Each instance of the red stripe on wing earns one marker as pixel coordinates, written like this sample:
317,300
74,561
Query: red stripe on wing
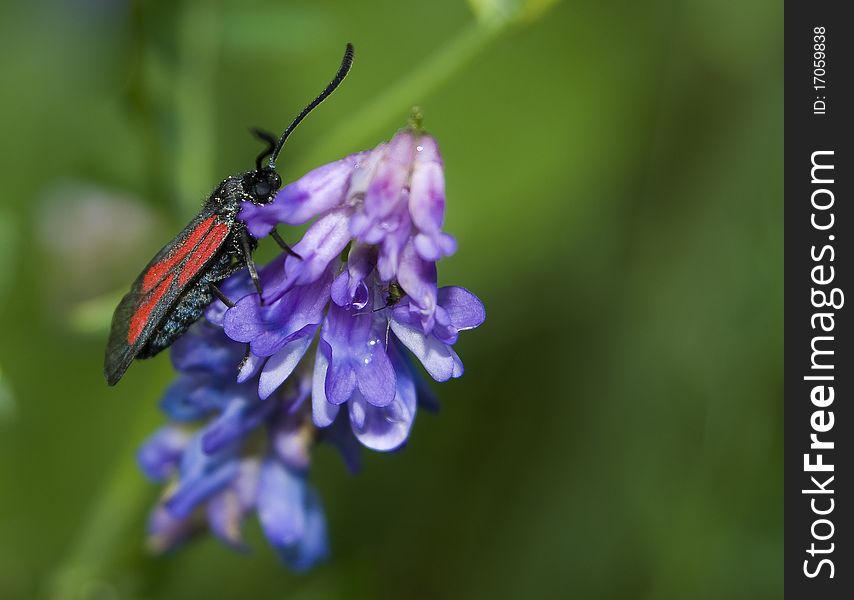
140,317
213,240
165,281
159,270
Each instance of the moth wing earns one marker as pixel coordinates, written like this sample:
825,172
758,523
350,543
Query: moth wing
158,288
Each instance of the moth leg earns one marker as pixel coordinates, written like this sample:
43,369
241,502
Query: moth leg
282,244
232,269
250,264
246,352
222,297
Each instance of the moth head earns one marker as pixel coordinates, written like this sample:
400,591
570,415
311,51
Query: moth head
263,182
261,185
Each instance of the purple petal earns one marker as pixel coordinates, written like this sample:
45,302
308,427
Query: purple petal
427,398
464,309
240,417
358,357
340,381
385,428
292,449
361,261
323,411
407,314
434,247
376,375
273,281
458,310
336,333
349,288
202,475
321,244
250,367
190,494
439,359
234,288
391,177
248,319
417,277
246,482
314,544
427,195
225,518
443,330
349,292
227,509
374,230
340,290
282,364
291,437
160,454
384,216
270,327
193,397
205,348
362,177
393,243
281,504
239,285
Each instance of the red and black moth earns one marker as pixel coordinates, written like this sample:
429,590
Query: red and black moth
180,281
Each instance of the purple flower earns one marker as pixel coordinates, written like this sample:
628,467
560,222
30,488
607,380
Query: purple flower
390,197
325,356
279,332
357,361
457,310
161,453
388,205
291,515
213,477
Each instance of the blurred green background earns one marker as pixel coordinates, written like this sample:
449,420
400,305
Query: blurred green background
614,174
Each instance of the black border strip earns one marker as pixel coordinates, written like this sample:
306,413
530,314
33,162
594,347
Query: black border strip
819,227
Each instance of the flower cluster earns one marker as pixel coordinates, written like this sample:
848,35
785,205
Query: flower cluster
325,355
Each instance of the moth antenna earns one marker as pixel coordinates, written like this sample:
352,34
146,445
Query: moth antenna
265,136
346,63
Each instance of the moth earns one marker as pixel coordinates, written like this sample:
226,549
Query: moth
181,280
